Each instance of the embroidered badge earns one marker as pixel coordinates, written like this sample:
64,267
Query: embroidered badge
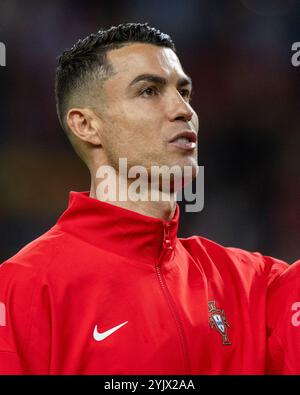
217,319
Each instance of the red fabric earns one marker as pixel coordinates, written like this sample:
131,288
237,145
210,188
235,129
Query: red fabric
103,265
284,323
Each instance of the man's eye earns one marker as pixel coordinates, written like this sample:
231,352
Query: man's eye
151,91
185,93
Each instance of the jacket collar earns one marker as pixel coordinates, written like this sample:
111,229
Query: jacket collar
121,231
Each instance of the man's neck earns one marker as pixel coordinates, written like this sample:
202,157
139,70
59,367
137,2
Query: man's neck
158,209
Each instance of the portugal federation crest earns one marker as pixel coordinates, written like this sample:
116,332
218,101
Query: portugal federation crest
217,319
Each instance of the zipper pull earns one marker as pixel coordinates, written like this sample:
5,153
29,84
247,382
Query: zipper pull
167,241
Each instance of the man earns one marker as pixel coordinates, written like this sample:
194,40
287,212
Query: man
110,289
284,323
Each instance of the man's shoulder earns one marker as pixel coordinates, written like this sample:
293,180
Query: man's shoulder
237,258
288,282
35,255
284,294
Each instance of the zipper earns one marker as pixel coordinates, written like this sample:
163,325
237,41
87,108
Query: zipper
167,247
167,242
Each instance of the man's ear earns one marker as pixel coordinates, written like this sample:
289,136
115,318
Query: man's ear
85,125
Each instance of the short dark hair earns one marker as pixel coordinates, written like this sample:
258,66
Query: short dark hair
87,58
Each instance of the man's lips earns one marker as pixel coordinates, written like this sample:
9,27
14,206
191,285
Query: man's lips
186,140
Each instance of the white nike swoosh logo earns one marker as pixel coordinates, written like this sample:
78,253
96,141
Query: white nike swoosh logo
101,336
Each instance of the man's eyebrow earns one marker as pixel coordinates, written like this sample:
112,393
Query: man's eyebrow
150,78
160,80
184,81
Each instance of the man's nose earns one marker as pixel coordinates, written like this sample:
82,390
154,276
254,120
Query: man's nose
179,109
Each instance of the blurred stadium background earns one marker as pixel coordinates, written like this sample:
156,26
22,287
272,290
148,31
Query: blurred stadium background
247,96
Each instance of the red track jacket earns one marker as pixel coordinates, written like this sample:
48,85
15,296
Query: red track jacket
110,291
284,323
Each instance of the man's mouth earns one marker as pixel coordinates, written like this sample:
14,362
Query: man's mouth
185,140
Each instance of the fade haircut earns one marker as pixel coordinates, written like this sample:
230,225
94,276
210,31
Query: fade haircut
85,64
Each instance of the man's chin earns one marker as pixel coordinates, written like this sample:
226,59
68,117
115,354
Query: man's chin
173,177
188,166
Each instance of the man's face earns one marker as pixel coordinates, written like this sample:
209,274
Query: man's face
146,105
